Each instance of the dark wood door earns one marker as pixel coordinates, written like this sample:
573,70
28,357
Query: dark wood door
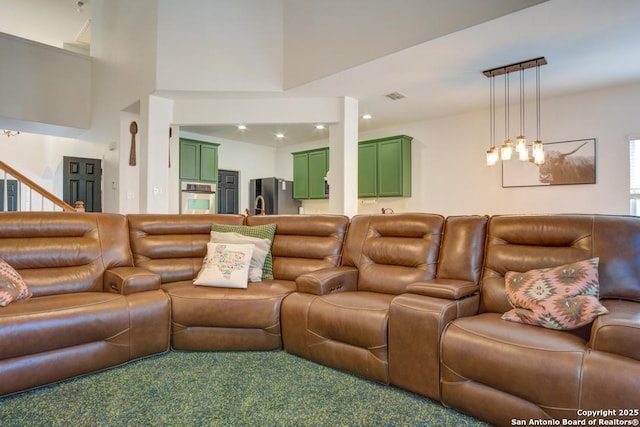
83,181
12,195
227,192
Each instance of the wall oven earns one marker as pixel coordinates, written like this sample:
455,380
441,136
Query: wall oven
198,197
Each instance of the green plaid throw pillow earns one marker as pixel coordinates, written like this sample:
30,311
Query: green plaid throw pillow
266,231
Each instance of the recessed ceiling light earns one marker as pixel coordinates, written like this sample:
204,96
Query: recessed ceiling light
320,126
242,127
279,135
367,116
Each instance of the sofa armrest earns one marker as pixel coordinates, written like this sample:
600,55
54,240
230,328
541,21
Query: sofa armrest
129,280
617,332
328,280
416,323
444,288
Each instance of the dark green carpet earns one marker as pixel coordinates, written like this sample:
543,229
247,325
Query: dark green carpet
224,389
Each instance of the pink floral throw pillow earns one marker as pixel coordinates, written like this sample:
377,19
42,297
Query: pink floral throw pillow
12,287
564,297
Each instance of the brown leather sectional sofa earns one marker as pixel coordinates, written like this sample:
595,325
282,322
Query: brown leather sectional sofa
411,300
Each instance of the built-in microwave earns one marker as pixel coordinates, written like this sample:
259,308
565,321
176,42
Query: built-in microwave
198,197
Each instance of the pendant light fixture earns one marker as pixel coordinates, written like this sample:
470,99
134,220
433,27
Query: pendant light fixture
521,148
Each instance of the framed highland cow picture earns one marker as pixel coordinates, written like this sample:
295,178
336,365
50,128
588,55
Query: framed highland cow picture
565,163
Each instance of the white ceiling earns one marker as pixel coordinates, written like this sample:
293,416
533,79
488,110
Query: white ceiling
589,44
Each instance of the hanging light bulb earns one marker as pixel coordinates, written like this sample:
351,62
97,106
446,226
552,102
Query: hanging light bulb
538,152
523,151
506,150
492,156
521,144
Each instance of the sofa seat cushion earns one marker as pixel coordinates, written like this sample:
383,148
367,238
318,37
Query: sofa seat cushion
619,331
344,330
53,322
354,318
538,365
238,319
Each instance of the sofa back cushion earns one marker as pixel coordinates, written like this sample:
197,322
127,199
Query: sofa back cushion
521,243
393,251
173,245
304,243
63,252
462,249
617,244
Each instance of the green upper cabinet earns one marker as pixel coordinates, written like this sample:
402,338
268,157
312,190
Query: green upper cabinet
367,169
198,160
318,168
208,162
300,176
384,167
189,160
309,172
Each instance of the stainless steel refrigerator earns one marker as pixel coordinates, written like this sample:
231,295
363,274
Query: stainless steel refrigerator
273,196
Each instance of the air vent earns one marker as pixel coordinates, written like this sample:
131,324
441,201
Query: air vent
395,96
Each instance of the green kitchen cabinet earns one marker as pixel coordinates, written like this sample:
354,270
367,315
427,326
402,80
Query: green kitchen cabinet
318,168
384,167
300,176
198,160
367,169
309,171
208,162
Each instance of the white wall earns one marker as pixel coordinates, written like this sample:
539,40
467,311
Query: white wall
124,54
44,85
450,175
224,46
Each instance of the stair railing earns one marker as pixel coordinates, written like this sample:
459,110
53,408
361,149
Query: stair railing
11,173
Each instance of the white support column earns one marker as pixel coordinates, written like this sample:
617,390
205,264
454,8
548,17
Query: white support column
155,155
343,161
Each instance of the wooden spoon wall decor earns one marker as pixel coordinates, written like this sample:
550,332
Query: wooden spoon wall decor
133,128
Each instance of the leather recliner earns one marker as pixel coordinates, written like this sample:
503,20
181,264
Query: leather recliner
90,309
340,317
499,371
